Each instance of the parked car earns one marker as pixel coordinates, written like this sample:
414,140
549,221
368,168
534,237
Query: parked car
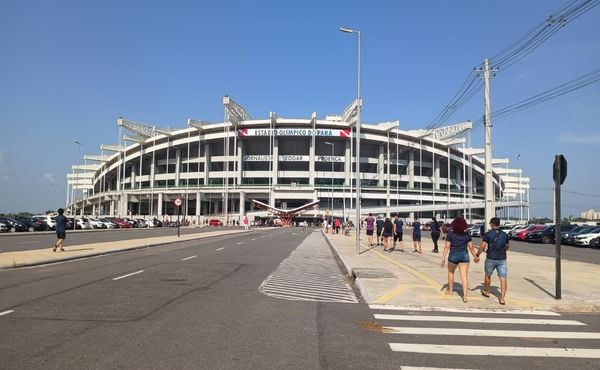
12,224
595,243
546,235
122,223
3,228
108,223
584,239
215,222
47,219
142,223
522,234
33,224
95,223
564,235
511,233
571,238
475,230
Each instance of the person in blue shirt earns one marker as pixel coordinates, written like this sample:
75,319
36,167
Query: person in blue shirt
61,230
398,232
435,234
379,226
495,244
416,236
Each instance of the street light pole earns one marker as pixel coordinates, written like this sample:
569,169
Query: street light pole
79,144
348,30
332,150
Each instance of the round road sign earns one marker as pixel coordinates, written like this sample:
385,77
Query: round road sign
178,202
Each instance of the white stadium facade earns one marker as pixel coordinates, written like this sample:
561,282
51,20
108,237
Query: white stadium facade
217,169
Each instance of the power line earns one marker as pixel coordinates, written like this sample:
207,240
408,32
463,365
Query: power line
513,53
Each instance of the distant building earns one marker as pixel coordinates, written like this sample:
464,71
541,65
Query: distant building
590,214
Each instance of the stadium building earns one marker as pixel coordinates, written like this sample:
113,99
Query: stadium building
219,168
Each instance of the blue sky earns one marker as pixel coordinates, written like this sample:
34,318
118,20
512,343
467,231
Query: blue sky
69,69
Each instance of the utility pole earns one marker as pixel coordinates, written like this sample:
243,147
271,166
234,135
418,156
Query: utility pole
490,207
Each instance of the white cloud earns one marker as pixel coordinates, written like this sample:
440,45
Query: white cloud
581,138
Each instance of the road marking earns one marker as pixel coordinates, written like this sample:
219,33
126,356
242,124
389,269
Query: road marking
430,368
432,283
465,310
124,276
478,320
253,239
27,242
220,249
6,312
240,243
495,350
188,258
492,333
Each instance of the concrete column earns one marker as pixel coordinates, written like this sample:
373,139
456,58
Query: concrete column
381,166
275,160
347,165
133,177
206,162
242,204
160,204
198,210
123,205
311,164
112,207
436,175
152,173
240,156
411,170
177,166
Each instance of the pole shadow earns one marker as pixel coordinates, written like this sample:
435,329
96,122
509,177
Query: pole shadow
539,287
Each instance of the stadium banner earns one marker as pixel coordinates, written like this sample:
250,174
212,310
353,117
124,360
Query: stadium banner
291,158
345,133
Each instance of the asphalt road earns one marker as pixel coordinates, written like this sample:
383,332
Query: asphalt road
198,305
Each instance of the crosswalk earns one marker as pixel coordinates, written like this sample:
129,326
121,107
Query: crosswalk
310,273
471,333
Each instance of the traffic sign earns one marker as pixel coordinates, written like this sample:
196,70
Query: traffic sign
559,169
178,202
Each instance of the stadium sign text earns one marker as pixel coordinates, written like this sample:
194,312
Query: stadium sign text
293,132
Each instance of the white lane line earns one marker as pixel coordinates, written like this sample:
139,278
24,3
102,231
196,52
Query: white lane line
478,320
495,350
240,243
253,239
492,333
188,258
220,249
124,276
457,310
26,242
6,312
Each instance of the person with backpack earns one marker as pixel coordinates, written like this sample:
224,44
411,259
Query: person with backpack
379,226
435,234
495,244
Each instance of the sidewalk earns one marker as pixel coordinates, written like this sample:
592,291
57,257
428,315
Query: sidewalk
418,280
45,255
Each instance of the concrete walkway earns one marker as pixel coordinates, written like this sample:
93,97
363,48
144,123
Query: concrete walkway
412,279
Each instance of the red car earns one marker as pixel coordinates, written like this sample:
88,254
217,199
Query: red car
215,222
122,223
520,235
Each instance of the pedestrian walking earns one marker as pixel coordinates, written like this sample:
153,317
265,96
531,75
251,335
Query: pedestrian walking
337,225
246,223
387,232
416,236
61,231
379,227
435,234
495,244
398,232
370,221
456,249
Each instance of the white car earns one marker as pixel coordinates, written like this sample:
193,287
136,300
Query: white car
47,219
94,223
584,239
3,228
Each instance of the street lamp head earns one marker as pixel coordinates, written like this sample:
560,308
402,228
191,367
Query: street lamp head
78,142
346,30
328,143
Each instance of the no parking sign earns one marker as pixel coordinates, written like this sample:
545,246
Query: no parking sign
178,202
